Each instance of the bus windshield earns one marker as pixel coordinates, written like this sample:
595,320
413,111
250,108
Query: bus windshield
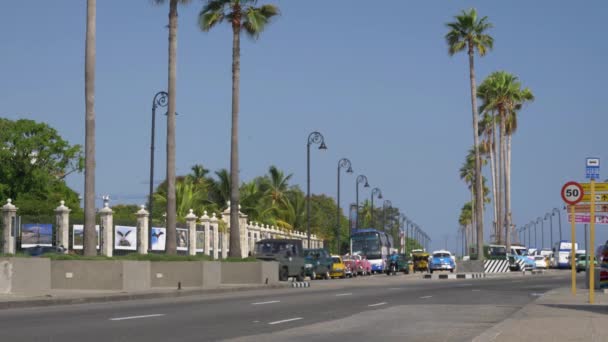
367,244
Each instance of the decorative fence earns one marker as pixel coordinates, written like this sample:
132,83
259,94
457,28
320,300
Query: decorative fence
199,235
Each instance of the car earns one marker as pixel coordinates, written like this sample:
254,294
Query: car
288,252
351,266
43,250
540,261
442,261
338,269
318,263
363,266
582,262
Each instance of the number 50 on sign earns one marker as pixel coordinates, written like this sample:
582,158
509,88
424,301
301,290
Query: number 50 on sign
572,193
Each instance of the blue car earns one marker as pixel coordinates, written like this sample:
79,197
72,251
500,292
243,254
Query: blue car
442,261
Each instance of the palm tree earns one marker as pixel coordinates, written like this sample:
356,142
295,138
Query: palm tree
486,130
465,221
171,200
469,32
242,15
502,92
275,186
89,173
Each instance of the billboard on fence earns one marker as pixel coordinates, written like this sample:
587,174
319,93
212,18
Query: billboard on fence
182,239
159,238
200,241
125,238
78,236
36,234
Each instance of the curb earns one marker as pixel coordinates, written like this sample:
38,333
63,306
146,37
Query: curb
28,303
455,276
300,284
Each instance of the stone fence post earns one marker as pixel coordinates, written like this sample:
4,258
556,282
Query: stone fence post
62,220
142,230
225,237
205,222
191,223
216,238
9,216
107,230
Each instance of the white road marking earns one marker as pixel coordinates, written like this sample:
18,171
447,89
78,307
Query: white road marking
135,317
343,294
394,288
425,297
285,320
269,302
475,290
463,285
377,304
517,281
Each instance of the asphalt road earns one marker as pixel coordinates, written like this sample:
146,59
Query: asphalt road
377,308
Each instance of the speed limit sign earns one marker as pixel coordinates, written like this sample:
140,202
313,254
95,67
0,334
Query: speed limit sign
572,193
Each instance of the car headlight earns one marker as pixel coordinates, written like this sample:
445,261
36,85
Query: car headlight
308,265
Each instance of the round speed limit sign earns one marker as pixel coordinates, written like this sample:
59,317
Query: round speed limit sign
572,193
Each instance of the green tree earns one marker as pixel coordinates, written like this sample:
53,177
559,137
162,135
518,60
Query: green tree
90,237
469,32
242,15
171,245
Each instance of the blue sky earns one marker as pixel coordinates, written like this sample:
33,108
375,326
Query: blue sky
377,81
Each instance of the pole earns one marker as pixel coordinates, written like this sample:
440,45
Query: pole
551,229
338,213
591,245
372,212
559,219
159,100
542,234
357,202
308,194
572,251
586,254
535,236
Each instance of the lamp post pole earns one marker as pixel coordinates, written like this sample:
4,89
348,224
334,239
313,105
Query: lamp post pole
385,204
342,163
160,100
559,219
360,179
550,217
542,232
313,138
375,191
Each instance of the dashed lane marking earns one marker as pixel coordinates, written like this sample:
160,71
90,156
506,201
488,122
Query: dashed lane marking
377,304
285,320
268,302
135,317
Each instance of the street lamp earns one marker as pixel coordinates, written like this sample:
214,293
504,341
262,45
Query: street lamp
385,204
559,218
343,163
375,191
160,100
550,217
360,179
542,232
313,138
535,242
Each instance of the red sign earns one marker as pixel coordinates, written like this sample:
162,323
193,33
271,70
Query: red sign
572,193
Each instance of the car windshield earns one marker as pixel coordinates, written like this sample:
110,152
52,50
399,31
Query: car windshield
539,257
441,255
336,260
274,247
520,251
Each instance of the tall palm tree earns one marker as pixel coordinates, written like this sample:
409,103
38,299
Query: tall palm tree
469,32
242,15
90,236
465,221
502,92
275,186
486,130
171,200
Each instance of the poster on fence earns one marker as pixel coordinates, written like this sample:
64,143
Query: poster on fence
158,238
78,236
200,241
36,234
125,238
182,239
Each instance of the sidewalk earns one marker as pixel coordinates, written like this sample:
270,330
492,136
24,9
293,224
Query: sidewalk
555,316
63,297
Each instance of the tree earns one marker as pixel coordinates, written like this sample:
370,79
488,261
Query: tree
465,221
469,32
242,15
487,131
171,244
502,92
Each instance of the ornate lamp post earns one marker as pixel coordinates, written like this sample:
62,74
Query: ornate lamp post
160,100
343,163
360,179
559,219
550,217
375,192
385,204
542,232
313,138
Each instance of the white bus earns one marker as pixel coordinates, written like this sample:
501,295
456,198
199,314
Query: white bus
561,253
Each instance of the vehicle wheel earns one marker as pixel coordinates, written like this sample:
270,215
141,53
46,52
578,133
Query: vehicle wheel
313,276
451,271
431,271
300,276
283,274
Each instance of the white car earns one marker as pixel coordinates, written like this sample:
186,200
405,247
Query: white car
540,261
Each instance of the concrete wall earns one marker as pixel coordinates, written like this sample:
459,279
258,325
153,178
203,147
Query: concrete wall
469,266
100,275
25,275
250,272
212,274
169,273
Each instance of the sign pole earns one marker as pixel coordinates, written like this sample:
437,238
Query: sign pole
592,244
573,251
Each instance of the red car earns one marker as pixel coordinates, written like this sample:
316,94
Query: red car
358,265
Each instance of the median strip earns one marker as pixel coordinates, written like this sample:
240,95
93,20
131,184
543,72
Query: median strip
377,304
135,317
269,302
285,320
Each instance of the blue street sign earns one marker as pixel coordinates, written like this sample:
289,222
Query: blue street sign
592,169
